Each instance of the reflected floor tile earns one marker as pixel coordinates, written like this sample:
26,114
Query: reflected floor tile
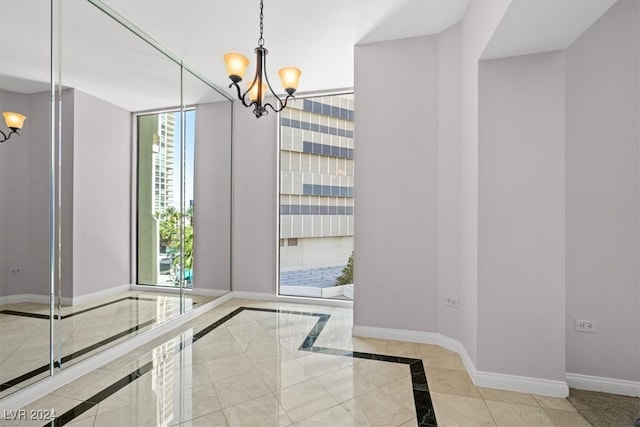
511,414
58,403
461,411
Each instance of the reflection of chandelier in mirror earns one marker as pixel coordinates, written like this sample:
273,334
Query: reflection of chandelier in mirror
237,65
14,122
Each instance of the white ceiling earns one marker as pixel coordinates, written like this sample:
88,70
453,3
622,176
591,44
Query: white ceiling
535,26
317,36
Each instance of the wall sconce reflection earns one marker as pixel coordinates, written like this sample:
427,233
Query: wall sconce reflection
14,122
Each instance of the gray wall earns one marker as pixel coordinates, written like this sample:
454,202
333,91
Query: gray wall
212,209
14,224
24,180
602,195
255,147
101,195
396,186
477,27
521,266
449,180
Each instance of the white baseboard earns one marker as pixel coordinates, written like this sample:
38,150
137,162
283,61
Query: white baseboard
480,378
32,298
104,293
606,385
292,299
33,392
208,292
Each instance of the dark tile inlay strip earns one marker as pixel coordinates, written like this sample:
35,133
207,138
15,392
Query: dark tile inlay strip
66,316
44,368
424,406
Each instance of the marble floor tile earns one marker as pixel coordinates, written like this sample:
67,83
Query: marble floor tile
262,411
566,418
250,372
508,396
284,375
376,409
511,414
452,361
452,382
240,388
554,403
334,417
402,391
404,349
305,400
381,373
461,411
345,384
214,419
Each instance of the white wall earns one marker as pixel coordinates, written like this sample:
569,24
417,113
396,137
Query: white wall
212,206
521,268
255,147
602,195
396,205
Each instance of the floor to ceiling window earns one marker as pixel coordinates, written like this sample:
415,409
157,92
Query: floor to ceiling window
316,197
165,228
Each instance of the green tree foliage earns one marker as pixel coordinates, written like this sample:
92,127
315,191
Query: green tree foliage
169,230
346,277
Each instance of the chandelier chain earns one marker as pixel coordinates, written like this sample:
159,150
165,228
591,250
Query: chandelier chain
261,39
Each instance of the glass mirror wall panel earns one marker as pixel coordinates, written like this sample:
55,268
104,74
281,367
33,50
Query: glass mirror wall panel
106,73
24,195
209,229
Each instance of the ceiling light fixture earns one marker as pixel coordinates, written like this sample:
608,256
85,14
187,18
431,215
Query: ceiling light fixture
237,66
14,122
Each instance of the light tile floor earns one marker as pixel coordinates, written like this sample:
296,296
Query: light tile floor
247,370
83,330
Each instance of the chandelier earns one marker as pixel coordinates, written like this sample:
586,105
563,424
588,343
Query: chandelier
257,89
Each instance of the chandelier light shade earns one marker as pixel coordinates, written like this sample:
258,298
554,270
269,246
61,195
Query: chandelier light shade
257,88
14,122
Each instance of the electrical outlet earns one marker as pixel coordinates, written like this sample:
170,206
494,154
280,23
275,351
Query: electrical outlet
15,271
451,301
586,326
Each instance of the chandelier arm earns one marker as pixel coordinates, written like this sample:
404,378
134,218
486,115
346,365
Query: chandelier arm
241,96
282,104
5,136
